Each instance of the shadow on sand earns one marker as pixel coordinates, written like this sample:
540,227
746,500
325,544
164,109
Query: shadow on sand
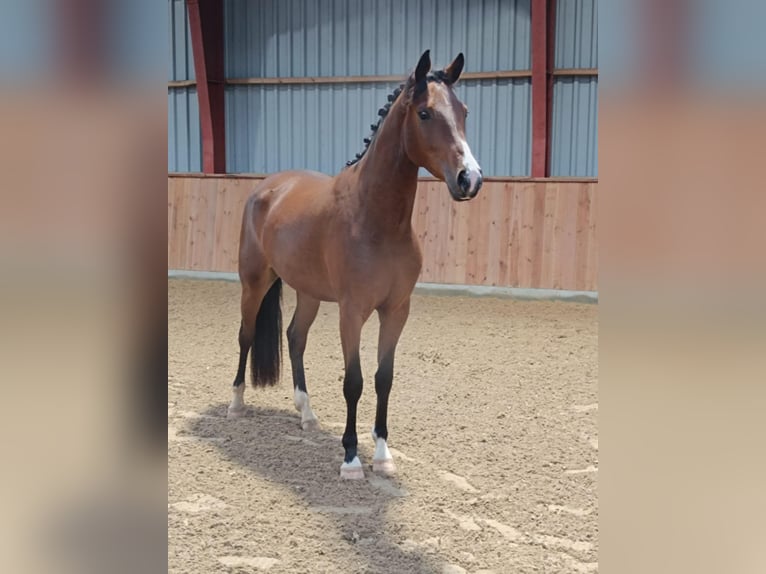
271,444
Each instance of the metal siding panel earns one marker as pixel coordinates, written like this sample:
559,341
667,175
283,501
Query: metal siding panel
172,144
311,67
287,38
184,142
474,29
522,35
459,26
355,39
441,49
171,44
180,59
271,128
182,130
574,145
287,127
269,18
188,48
574,142
520,146
326,122
340,39
194,131
232,147
499,123
490,36
399,61
576,34
504,46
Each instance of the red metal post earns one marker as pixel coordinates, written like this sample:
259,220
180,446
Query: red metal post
539,87
550,66
206,26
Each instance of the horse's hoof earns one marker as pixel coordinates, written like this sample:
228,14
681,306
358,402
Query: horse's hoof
386,466
236,413
310,425
352,470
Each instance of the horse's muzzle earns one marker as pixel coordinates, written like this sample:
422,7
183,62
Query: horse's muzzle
468,184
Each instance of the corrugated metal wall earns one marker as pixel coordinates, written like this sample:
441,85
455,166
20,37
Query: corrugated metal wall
574,136
184,142
270,128
320,127
289,38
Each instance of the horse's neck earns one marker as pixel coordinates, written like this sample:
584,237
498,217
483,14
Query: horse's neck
387,181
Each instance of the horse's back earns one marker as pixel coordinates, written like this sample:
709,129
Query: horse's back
277,185
274,189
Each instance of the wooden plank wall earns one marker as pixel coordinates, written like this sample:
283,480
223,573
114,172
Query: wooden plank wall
522,233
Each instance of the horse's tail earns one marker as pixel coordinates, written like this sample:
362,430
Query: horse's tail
266,352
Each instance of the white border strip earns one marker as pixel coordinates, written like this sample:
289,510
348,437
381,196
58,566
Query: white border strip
206,275
507,292
438,288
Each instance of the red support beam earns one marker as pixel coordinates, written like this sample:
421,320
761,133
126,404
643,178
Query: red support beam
539,87
206,26
550,68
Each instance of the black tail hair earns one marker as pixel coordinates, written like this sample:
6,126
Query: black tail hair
266,352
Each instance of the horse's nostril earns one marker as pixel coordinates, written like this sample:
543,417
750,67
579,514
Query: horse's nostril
463,180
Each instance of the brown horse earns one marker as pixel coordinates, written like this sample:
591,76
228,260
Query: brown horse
349,239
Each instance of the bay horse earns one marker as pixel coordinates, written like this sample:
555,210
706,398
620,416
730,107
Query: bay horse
349,239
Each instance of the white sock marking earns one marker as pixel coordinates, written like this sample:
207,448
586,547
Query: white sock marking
381,450
238,397
303,406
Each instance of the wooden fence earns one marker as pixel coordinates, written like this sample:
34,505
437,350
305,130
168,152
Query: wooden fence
516,233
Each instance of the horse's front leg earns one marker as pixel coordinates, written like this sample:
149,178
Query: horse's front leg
351,321
391,324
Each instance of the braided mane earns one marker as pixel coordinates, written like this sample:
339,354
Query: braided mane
382,112
436,76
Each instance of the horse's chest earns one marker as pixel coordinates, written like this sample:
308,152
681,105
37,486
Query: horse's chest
386,259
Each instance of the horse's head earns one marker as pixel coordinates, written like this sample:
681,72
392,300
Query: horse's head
434,129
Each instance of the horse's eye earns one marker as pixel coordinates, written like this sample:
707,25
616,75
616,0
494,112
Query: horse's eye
424,115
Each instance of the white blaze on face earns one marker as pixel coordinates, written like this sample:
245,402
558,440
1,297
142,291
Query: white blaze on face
471,166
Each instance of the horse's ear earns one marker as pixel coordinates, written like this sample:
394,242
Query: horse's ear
423,67
452,72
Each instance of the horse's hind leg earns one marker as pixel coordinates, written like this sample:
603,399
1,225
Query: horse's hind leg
391,324
297,335
253,292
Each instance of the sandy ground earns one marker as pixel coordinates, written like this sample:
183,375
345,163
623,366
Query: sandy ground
492,421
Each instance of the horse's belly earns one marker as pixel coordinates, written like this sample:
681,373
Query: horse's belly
301,265
312,288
